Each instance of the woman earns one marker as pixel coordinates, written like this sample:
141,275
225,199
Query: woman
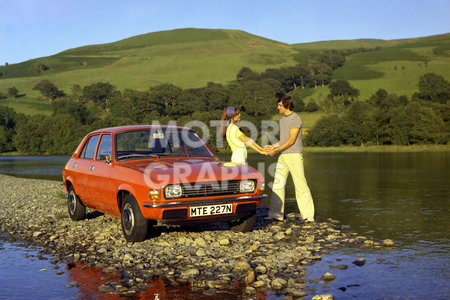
235,138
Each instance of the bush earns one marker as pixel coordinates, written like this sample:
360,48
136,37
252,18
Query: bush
311,107
12,91
328,131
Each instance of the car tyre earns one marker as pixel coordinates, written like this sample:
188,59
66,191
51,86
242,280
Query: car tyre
134,224
76,208
244,224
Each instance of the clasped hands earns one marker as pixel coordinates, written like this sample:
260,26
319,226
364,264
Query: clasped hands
269,150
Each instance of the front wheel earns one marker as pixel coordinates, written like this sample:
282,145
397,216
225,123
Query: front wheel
77,210
134,224
244,224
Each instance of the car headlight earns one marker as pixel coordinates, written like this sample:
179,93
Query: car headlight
247,186
173,191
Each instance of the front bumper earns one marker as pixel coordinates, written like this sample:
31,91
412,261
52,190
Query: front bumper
205,202
180,210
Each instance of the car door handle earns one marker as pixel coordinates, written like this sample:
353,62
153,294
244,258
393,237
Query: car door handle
92,168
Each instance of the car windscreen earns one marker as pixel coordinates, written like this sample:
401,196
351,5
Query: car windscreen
159,142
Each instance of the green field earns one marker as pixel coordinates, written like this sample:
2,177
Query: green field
28,106
190,58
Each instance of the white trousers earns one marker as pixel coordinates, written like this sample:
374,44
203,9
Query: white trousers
239,156
291,163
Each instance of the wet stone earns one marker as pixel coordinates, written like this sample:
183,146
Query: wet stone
339,267
224,242
261,270
278,283
190,273
259,284
328,277
250,290
106,289
388,243
250,278
360,262
323,297
110,270
241,266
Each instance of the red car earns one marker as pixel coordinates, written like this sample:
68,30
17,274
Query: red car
159,174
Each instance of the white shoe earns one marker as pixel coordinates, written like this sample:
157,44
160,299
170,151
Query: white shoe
273,219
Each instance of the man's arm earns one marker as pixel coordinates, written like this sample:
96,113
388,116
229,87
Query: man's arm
293,133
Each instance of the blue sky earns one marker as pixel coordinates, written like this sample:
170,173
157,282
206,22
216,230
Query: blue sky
36,28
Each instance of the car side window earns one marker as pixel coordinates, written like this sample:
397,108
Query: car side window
105,147
89,147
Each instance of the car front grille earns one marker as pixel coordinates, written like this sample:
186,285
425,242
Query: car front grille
212,188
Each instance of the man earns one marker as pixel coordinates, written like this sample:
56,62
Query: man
291,160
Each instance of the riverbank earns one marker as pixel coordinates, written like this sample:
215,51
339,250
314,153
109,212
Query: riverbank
346,149
365,148
381,148
271,259
375,148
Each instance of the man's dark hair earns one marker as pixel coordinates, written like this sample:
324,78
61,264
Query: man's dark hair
287,102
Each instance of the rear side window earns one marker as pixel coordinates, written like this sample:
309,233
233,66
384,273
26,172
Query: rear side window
105,147
89,147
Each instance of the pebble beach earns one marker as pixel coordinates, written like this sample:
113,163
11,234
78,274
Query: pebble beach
271,258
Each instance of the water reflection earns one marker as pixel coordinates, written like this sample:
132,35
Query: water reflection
39,167
23,271
402,196
88,281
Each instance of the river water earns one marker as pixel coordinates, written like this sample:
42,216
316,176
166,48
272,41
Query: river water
399,196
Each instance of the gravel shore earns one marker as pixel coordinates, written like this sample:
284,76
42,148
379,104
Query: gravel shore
210,257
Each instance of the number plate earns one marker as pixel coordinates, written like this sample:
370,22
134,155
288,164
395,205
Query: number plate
210,210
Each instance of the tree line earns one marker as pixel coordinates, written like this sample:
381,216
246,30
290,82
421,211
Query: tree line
383,119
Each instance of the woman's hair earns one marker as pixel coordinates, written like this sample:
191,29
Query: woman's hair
227,114
287,102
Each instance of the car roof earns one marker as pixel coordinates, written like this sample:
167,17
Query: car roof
135,127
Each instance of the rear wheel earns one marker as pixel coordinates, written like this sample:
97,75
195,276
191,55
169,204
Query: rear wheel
77,210
134,224
244,224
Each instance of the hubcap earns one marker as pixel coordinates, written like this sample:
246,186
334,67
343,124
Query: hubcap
128,218
72,203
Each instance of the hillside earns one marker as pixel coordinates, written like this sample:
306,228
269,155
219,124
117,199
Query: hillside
191,58
395,67
185,57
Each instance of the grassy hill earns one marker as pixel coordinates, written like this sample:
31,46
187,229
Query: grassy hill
185,57
191,58
396,67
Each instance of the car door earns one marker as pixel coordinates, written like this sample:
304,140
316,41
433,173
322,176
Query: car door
101,190
81,168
